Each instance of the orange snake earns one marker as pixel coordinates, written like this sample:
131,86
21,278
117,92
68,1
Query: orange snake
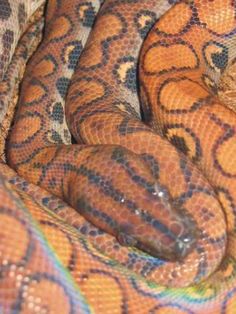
146,193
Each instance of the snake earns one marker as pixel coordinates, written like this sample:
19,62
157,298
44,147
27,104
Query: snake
106,207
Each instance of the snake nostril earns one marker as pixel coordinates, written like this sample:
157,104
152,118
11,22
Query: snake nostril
184,245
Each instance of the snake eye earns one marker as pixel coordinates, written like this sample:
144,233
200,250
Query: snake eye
124,235
126,240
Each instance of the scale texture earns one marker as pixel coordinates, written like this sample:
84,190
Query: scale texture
138,214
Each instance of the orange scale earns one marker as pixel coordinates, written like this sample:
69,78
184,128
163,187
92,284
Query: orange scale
179,184
9,239
35,210
112,26
94,56
85,91
160,58
60,28
35,176
228,271
4,87
179,15
189,141
218,15
38,297
59,241
181,94
224,115
45,155
228,210
176,274
35,93
192,37
8,287
52,7
29,126
82,268
45,67
211,218
229,303
227,148
101,284
231,248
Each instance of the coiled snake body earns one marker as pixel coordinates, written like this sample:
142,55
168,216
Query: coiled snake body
143,194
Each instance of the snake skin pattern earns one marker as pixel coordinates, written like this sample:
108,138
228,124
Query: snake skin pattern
9,86
131,191
14,16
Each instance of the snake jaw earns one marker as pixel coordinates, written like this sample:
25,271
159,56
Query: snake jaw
181,247
173,245
173,233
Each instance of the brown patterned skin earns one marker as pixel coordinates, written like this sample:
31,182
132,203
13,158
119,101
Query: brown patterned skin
114,191
9,86
154,180
14,16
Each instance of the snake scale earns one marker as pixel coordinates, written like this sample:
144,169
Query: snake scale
106,207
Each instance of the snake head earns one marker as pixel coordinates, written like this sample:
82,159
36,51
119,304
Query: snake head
171,236
124,199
